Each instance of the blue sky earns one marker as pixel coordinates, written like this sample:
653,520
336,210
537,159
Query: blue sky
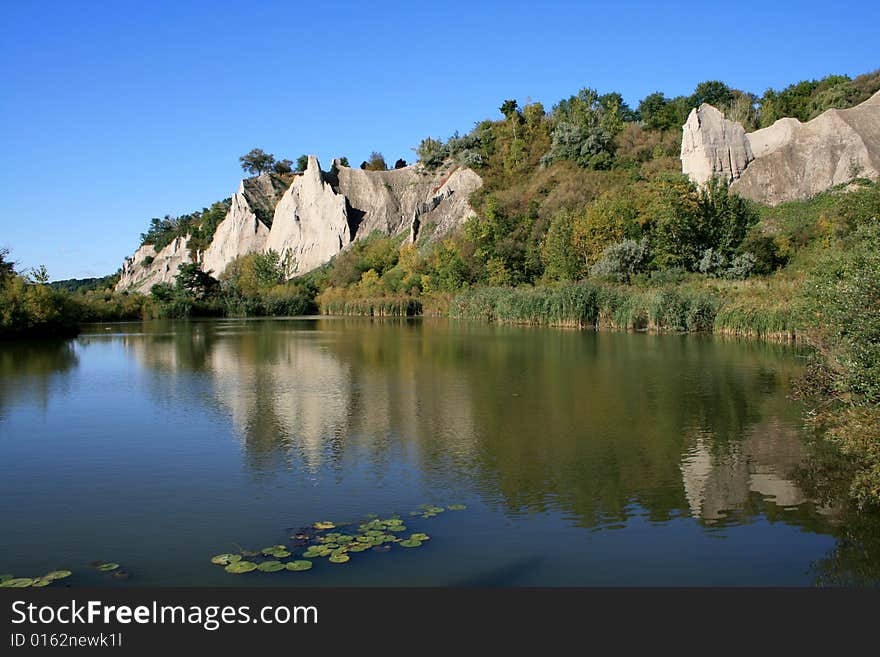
115,112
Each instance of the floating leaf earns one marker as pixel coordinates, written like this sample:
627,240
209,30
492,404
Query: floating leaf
397,528
249,553
410,543
271,566
17,583
456,507
339,558
371,515
241,567
57,574
225,559
5,576
419,537
107,567
324,524
120,574
311,553
301,537
41,581
359,547
298,565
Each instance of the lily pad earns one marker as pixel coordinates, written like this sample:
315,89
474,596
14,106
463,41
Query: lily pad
456,507
419,537
311,553
250,553
120,574
301,537
339,558
359,547
40,582
225,559
411,543
397,528
6,576
57,574
17,583
107,567
298,565
371,515
241,567
270,566
324,524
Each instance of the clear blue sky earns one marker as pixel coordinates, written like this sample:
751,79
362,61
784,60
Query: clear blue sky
114,112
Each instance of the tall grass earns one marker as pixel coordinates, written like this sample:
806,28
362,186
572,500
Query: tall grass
591,305
334,301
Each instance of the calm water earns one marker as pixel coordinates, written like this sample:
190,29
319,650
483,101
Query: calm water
583,458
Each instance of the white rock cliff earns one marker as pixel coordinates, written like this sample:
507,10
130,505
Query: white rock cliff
787,161
315,217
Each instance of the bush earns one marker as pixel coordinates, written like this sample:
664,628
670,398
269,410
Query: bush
620,262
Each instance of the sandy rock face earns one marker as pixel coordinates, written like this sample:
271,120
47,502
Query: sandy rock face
239,233
713,146
314,215
147,267
789,160
310,222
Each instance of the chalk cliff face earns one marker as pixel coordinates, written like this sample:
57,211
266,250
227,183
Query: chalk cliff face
311,221
246,226
147,267
787,161
315,217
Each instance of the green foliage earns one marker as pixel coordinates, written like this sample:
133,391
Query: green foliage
256,161
283,167
807,99
302,163
620,262
200,225
375,163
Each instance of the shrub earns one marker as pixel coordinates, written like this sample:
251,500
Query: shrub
620,262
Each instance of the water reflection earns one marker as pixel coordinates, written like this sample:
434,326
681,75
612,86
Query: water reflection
585,430
29,370
583,423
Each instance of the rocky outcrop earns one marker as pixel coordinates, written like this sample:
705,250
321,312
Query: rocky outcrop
311,221
713,146
147,267
789,160
246,226
314,215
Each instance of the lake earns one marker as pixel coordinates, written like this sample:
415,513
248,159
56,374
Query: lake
582,458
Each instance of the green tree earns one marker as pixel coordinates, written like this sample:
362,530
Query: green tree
256,161
713,92
376,162
302,163
40,276
561,263
283,166
193,282
7,268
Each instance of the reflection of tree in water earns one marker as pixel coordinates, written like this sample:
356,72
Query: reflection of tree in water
593,426
28,369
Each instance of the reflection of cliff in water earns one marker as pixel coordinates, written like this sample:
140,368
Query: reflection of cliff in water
762,467
29,369
588,424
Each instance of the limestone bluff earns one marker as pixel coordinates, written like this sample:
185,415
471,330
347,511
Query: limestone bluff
315,217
